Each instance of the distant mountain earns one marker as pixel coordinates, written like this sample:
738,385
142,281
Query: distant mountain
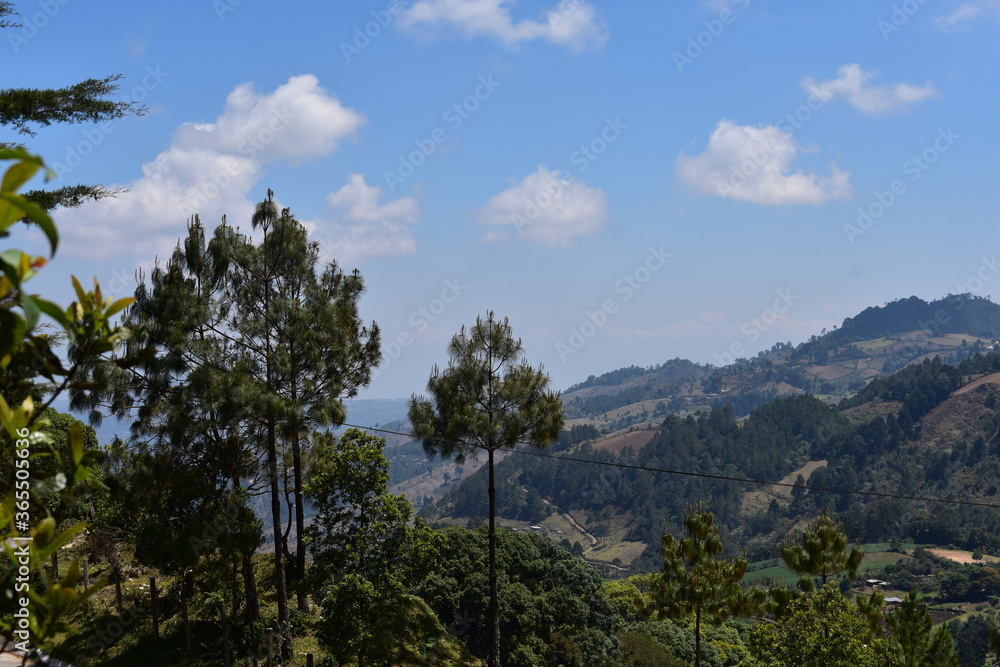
931,430
955,313
831,365
903,398
375,411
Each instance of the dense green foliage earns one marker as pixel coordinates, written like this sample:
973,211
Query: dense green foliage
36,602
365,554
695,580
873,441
822,554
955,313
822,630
489,397
918,643
553,609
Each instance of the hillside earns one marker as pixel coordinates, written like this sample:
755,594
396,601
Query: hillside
832,365
929,430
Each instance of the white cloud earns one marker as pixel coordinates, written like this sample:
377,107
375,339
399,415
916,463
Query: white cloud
852,84
361,227
297,122
211,168
572,23
753,164
967,12
547,208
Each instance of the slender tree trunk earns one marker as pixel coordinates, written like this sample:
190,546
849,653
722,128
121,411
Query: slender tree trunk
300,519
288,495
185,596
236,586
494,660
250,589
119,600
249,581
155,607
225,635
697,637
285,641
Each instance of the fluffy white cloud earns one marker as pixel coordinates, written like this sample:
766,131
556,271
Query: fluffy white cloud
753,164
297,122
547,208
852,85
361,227
572,23
967,12
211,168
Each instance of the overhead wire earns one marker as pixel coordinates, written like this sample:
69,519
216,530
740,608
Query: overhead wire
688,473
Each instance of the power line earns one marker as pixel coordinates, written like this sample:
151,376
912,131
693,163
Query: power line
686,473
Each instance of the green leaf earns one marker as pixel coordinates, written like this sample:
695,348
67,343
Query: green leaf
53,311
31,310
118,306
80,294
60,540
76,444
17,175
12,261
42,219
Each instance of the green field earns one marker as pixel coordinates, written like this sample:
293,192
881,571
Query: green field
876,557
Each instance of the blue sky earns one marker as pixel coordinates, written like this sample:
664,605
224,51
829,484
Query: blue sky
629,182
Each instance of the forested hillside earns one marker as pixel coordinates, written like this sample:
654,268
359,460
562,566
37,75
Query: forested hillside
928,430
832,365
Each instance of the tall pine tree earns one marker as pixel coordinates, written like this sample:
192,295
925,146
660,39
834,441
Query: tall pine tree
255,351
488,398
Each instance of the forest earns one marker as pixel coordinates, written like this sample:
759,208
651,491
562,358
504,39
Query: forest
771,513
231,393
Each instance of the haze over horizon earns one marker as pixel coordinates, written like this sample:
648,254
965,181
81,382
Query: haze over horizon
629,182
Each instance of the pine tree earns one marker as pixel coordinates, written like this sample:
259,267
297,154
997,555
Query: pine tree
182,400
694,580
299,336
488,398
84,102
916,640
822,554
254,351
